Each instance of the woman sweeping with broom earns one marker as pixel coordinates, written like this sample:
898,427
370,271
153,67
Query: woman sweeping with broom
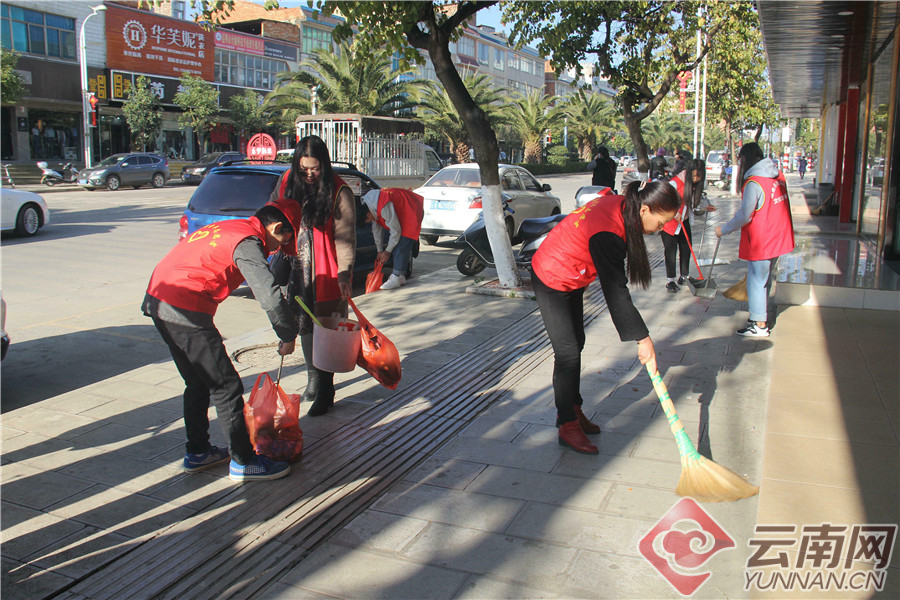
676,235
767,230
604,239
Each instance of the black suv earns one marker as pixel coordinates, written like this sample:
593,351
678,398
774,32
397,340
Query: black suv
235,191
196,171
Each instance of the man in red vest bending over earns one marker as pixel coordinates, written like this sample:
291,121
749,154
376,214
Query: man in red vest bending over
400,212
185,290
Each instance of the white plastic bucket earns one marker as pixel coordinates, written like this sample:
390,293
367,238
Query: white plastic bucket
336,344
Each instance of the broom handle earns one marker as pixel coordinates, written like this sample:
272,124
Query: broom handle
691,248
685,445
278,379
715,254
309,312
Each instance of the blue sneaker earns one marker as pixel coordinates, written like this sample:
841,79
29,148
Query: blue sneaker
259,468
199,462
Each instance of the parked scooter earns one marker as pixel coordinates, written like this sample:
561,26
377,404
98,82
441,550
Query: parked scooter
51,177
724,182
477,254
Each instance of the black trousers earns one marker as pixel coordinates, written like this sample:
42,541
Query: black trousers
673,244
563,315
204,364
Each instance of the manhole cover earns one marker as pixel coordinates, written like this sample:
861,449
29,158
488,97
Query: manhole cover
265,356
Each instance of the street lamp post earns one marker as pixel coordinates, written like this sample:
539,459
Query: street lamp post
85,94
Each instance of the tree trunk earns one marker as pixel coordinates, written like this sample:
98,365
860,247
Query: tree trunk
532,152
487,151
586,150
640,147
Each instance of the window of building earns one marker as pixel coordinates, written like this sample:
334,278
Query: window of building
499,59
513,61
466,45
178,9
484,53
247,70
33,32
315,39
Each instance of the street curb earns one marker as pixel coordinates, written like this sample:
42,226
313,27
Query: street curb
491,287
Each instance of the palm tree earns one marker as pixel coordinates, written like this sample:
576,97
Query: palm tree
591,118
665,130
346,81
441,120
533,117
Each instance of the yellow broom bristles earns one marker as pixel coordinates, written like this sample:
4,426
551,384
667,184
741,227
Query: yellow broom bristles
701,479
738,291
708,481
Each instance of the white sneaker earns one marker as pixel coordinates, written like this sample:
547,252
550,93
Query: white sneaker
393,282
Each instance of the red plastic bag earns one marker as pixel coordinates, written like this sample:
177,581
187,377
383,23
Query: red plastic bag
375,278
273,420
377,354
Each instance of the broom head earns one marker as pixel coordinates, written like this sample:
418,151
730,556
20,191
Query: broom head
707,481
738,291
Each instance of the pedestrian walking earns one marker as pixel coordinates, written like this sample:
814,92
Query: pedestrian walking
399,212
604,169
801,166
676,235
767,231
185,290
659,167
602,240
321,272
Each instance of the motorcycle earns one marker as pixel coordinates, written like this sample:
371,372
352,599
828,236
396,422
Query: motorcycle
724,182
477,254
51,177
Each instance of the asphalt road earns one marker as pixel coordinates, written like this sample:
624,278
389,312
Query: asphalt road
73,292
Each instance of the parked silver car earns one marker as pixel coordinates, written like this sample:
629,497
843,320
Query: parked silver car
134,169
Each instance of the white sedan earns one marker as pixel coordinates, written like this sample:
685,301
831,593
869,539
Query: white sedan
24,212
453,199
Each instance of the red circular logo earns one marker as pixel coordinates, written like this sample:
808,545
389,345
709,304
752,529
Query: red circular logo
261,148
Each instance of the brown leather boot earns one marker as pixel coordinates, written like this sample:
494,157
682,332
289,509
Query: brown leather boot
585,423
571,435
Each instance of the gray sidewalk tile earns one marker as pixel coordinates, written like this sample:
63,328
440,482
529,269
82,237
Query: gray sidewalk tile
479,587
491,429
26,531
502,556
638,501
376,530
794,502
139,415
601,576
197,490
82,552
46,453
549,488
430,503
342,572
493,452
283,591
51,423
587,530
124,472
24,582
36,488
844,421
75,402
127,514
453,474
130,441
637,471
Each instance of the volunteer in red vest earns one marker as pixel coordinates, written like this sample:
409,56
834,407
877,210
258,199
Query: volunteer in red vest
185,290
399,212
676,235
767,231
602,240
326,248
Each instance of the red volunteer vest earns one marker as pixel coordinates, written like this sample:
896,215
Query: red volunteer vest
199,272
673,227
324,252
770,233
410,209
563,261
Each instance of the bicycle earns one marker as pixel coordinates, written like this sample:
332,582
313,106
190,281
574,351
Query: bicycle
6,176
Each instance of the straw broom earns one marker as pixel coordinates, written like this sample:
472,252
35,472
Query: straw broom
738,291
701,479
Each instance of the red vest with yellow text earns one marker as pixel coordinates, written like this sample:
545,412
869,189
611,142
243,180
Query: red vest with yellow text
673,227
324,252
199,272
563,261
410,209
770,233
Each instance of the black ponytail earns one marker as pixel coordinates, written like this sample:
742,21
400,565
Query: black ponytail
659,197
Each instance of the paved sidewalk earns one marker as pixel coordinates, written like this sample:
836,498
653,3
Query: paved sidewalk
484,503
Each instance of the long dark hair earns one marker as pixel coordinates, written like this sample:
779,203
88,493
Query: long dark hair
749,155
694,191
659,197
317,200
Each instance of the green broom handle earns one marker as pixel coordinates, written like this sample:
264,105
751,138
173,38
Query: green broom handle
685,445
309,312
